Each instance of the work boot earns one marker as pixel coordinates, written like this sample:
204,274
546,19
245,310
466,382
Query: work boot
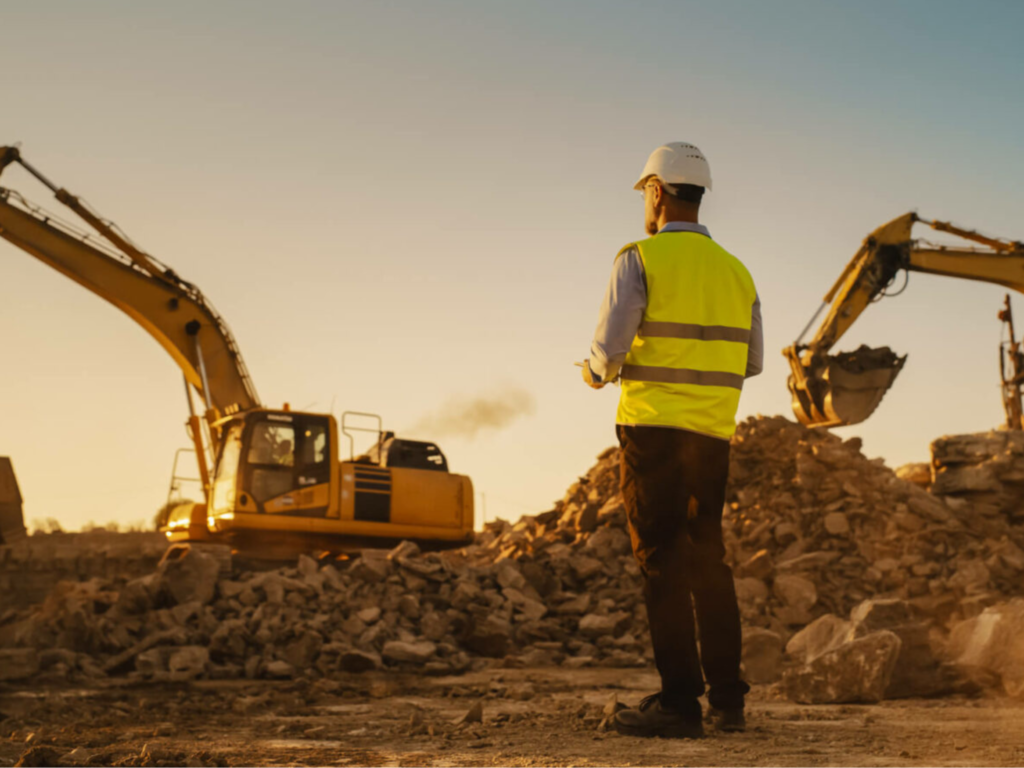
728,720
651,718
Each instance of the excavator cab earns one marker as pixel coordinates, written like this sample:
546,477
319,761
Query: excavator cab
280,486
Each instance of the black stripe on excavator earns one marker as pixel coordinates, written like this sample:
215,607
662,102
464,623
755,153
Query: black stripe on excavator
373,485
372,507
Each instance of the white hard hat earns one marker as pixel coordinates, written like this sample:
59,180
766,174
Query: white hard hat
677,163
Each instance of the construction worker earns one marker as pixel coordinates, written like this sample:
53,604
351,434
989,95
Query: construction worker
680,329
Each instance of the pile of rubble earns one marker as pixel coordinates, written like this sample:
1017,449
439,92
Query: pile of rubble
429,612
984,470
823,542
818,528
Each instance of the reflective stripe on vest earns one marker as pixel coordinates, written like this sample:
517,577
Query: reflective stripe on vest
686,366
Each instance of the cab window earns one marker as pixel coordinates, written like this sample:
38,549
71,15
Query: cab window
272,444
225,481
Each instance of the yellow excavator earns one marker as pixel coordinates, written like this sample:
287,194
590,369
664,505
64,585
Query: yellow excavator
273,480
835,390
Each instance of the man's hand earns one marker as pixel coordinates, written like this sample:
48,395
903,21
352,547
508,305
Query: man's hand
588,377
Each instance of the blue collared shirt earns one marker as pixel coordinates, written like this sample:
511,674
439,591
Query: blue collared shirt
622,312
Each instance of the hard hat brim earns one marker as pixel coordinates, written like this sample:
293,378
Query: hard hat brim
643,180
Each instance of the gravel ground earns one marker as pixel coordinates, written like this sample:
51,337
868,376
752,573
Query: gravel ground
546,716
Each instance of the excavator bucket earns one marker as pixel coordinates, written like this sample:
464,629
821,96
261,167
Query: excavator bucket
837,390
12,524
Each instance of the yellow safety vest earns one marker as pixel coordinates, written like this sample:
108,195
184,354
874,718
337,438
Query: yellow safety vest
686,366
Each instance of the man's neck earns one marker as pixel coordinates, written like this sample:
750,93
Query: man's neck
668,218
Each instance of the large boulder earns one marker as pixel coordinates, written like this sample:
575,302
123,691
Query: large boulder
191,577
189,661
822,635
918,671
489,635
989,648
857,671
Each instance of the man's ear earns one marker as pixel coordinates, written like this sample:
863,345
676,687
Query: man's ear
658,193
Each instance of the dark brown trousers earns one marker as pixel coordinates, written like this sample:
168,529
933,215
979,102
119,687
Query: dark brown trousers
673,486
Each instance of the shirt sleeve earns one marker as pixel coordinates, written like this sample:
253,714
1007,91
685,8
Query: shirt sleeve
622,312
755,353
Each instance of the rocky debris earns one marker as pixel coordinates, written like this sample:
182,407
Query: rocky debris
989,648
986,469
804,503
857,671
812,528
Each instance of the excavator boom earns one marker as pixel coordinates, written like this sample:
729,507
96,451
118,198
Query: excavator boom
836,390
172,311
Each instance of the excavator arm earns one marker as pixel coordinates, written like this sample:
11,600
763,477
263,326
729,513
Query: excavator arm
836,390
171,310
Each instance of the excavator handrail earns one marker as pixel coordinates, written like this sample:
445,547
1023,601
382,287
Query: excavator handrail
43,214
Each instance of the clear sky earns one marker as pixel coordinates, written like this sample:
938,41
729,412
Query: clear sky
395,205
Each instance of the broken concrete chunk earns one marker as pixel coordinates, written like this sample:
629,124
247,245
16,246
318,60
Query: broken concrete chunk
371,566
190,660
369,615
279,669
820,636
595,625
989,648
490,636
404,549
359,661
191,577
412,653
857,671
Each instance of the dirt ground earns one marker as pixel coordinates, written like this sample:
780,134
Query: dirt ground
530,717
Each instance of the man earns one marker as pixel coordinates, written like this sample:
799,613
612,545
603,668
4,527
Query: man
680,328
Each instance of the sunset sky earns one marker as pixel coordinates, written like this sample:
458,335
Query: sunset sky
401,205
